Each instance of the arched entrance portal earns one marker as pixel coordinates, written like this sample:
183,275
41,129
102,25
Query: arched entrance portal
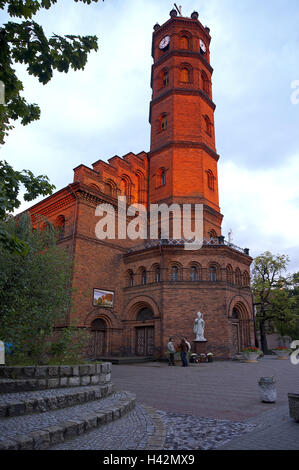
98,330
240,328
145,333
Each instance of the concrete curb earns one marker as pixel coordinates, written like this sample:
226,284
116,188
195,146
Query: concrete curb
39,405
157,439
47,437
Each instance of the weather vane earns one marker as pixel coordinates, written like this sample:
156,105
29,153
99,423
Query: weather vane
179,9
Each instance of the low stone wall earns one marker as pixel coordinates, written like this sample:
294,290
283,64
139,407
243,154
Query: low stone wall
17,379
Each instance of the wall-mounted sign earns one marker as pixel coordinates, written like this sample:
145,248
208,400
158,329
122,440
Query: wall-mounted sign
103,298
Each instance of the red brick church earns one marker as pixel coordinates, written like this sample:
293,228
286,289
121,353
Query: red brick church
134,295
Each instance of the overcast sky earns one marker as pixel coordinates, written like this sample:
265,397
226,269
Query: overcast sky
103,111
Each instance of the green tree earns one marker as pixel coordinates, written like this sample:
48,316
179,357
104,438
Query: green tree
271,295
35,289
25,42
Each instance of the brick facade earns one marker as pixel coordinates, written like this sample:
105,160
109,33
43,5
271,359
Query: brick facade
159,286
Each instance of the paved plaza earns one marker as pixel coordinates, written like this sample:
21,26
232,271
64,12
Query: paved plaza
215,406
203,407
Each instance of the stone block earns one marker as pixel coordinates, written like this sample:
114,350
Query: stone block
101,418
24,442
51,403
29,371
82,397
75,370
95,379
65,371
56,434
85,380
61,401
92,369
90,422
90,395
41,405
8,444
63,381
84,370
80,426
53,371
16,409
41,439
42,384
30,406
3,410
31,384
41,371
98,393
74,381
70,429
98,368
109,416
53,383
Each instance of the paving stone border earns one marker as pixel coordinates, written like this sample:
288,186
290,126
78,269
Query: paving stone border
46,437
157,440
21,379
42,404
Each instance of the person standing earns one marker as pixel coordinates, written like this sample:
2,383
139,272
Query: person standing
184,351
172,352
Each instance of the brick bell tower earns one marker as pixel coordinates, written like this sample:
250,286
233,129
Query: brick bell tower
183,158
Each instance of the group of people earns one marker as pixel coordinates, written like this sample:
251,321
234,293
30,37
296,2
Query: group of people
184,347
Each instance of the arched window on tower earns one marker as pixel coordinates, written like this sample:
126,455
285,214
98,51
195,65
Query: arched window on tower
185,75
184,42
163,121
205,82
161,177
211,180
238,277
165,77
208,125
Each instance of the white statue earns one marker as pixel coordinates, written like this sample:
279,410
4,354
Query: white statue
199,328
230,236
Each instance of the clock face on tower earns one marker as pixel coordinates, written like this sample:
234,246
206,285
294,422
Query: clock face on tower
202,46
164,43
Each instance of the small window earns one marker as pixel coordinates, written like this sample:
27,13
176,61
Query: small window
157,274
165,78
184,42
211,183
174,273
185,75
208,125
163,123
194,274
205,82
213,274
163,178
143,278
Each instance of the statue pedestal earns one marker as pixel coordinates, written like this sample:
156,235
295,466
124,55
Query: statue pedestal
200,347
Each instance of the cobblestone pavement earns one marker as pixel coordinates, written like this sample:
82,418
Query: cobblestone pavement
185,432
130,432
19,425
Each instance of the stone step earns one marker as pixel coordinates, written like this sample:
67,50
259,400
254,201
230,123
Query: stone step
43,430
22,403
48,372
25,385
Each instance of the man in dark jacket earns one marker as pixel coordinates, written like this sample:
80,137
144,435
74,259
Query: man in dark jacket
184,350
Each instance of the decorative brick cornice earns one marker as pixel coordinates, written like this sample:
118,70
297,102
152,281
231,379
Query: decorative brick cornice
184,91
184,53
187,144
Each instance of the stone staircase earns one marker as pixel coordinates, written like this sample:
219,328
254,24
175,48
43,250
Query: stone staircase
45,405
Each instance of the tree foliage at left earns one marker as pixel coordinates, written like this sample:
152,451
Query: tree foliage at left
35,289
25,42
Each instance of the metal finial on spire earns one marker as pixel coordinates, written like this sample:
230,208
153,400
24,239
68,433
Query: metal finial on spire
179,9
